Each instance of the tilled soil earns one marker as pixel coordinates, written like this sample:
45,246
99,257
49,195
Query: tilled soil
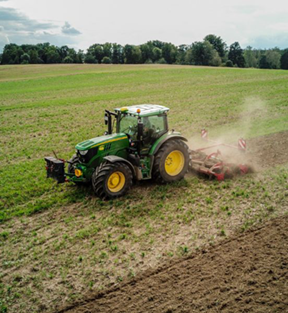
268,151
247,273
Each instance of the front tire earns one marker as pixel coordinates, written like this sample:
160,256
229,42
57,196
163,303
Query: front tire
171,162
111,180
71,168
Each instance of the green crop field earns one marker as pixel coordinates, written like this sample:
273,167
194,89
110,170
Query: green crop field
58,242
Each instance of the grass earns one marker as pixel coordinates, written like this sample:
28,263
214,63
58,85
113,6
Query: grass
76,242
45,108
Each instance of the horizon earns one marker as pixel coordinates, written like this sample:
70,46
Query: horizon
251,23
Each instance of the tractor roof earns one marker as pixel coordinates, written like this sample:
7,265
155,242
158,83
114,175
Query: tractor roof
145,109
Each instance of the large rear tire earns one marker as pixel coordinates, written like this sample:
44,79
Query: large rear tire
111,180
171,162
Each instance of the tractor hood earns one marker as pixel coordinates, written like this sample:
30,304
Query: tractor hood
98,141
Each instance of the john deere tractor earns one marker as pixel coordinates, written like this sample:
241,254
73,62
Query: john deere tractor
140,148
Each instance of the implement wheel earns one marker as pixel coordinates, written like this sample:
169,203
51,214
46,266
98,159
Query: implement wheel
111,180
171,162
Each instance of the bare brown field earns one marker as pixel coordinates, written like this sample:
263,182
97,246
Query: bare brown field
246,273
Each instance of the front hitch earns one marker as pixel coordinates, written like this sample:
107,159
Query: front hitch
55,169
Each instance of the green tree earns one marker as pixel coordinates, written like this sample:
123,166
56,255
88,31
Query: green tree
128,54
52,55
273,57
169,53
20,52
68,59
202,53
182,50
156,43
263,63
236,55
137,55
25,58
106,60
117,54
107,50
132,54
146,52
149,61
156,54
161,61
63,52
284,60
218,44
9,54
97,51
34,58
249,56
229,63
80,56
42,51
90,59
216,60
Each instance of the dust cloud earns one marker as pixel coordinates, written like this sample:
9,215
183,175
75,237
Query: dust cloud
252,110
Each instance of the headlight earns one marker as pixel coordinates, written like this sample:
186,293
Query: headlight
83,152
78,172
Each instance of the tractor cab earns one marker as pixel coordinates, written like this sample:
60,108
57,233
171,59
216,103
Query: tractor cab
143,124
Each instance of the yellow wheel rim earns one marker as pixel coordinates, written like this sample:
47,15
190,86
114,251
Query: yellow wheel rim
174,163
116,181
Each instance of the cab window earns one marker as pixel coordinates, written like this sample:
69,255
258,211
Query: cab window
129,125
156,123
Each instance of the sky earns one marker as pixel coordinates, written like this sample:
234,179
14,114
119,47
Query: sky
79,24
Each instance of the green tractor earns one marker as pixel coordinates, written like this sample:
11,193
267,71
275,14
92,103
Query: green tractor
140,148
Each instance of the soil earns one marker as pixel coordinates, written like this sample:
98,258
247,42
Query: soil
268,151
247,273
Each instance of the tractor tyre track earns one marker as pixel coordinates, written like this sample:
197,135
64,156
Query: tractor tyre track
246,273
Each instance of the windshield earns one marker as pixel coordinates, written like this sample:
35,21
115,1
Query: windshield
128,124
154,126
156,123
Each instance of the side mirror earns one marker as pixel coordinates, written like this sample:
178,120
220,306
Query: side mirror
106,119
140,130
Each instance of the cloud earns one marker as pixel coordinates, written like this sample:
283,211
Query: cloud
3,38
16,21
67,29
279,27
18,28
262,42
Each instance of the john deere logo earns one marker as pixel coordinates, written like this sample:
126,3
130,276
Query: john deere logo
101,148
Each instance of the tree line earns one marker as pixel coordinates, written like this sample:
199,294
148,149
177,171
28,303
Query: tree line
40,53
212,51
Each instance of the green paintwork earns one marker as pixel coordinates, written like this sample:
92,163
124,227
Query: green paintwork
160,140
114,144
145,164
98,141
145,110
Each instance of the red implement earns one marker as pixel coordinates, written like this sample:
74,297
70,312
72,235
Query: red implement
213,164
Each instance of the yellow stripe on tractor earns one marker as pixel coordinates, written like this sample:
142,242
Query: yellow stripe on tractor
108,141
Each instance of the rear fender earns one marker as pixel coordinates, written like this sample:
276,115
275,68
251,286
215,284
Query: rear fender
115,159
162,140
